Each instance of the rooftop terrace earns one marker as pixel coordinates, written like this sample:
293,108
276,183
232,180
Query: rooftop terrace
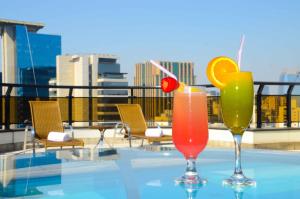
275,122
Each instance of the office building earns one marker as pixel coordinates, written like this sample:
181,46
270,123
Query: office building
147,74
91,70
36,60
290,75
28,57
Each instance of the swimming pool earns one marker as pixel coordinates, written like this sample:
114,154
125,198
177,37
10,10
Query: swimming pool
136,173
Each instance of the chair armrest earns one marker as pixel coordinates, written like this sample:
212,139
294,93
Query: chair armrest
68,126
155,123
123,126
31,129
32,136
110,122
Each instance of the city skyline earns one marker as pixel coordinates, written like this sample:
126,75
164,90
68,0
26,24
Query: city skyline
173,30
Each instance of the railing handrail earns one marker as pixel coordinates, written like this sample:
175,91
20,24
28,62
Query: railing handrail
265,83
74,87
276,83
260,84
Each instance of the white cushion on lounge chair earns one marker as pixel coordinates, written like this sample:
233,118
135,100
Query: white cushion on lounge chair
154,132
58,136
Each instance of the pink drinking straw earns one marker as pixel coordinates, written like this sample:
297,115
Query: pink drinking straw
240,52
164,70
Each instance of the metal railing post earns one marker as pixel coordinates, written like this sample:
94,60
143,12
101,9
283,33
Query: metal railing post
170,109
90,105
70,109
258,106
144,99
288,106
1,105
131,95
7,107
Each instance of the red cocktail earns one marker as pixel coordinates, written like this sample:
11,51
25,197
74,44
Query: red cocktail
190,129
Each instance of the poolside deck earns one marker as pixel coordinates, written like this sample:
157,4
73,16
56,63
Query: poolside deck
280,139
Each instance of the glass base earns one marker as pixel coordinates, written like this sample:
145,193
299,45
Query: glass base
239,180
191,178
191,190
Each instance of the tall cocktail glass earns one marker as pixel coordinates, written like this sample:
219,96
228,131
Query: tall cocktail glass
237,109
190,130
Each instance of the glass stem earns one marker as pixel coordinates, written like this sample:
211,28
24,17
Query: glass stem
237,143
191,167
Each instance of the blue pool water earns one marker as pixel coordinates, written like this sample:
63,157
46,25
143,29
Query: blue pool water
136,173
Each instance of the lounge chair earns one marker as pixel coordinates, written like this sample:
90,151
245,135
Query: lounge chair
134,124
46,117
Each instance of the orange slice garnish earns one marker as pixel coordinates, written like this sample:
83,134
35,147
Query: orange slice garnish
194,89
181,87
216,69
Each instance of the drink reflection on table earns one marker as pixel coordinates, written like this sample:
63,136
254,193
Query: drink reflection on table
191,190
238,193
238,190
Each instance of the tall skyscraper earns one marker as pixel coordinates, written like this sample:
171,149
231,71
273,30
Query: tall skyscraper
36,60
91,70
27,56
148,75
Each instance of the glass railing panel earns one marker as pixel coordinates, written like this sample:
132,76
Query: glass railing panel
214,111
295,110
106,110
2,110
273,109
19,109
157,108
63,106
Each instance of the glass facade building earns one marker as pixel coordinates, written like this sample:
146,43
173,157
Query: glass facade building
109,75
36,60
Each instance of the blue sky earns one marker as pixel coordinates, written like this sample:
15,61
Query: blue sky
177,30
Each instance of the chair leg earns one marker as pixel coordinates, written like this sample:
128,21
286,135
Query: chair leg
33,146
60,147
142,142
25,140
129,137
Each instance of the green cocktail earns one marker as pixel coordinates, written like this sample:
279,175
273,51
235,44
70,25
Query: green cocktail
237,101
237,109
